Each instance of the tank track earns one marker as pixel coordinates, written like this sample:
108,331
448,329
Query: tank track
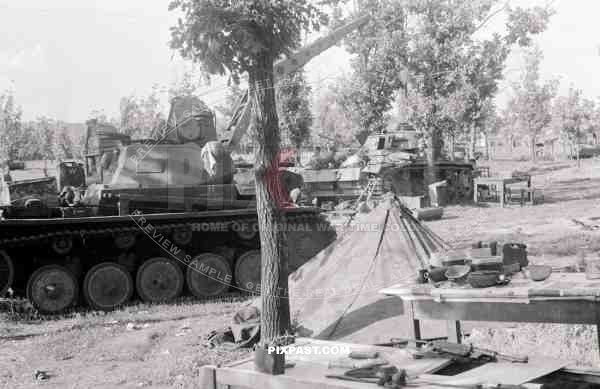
54,261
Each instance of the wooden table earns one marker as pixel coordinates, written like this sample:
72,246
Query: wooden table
310,370
498,182
567,298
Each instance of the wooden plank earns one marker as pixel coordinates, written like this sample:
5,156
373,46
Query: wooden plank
208,377
558,286
401,358
513,373
301,376
577,374
551,311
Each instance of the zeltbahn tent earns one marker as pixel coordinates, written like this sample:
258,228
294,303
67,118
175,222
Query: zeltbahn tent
336,296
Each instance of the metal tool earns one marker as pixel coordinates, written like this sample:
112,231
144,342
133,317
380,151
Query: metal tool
463,350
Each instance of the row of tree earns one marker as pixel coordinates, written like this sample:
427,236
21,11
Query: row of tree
47,138
43,138
536,112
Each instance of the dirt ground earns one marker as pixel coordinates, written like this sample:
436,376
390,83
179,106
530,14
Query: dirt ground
162,346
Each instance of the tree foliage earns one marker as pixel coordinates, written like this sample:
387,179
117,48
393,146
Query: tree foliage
141,115
44,138
380,49
532,99
293,105
332,123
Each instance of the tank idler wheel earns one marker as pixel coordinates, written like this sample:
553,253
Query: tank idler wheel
62,245
124,240
245,231
208,274
159,280
52,289
7,272
247,271
107,286
182,236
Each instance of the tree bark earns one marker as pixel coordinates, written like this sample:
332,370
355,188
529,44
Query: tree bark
473,141
532,148
271,201
433,154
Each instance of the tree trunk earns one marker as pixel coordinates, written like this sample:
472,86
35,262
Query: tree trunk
432,154
578,148
271,199
532,148
473,142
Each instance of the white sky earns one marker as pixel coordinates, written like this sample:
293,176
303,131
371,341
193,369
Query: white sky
65,58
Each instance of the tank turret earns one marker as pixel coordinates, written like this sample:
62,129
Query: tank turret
190,120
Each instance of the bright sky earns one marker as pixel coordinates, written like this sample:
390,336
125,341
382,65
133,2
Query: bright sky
65,58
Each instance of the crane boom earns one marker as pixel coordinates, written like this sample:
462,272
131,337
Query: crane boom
241,119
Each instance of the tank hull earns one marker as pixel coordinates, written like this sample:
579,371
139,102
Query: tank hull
77,246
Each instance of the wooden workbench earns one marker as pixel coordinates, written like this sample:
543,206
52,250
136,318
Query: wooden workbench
567,298
310,370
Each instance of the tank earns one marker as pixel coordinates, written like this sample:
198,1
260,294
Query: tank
160,217
392,159
157,217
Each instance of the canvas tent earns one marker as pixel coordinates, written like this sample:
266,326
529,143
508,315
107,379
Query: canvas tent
335,295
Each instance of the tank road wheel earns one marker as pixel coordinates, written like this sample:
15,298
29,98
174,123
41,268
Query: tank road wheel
52,289
245,231
247,271
7,272
62,245
159,280
182,236
208,275
107,286
124,240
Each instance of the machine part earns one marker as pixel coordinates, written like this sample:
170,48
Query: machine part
7,272
159,280
125,240
246,231
182,236
107,285
208,274
247,271
52,289
62,245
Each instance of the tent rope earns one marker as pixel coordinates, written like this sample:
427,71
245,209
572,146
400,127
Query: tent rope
364,280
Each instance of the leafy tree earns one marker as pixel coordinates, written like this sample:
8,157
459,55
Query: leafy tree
574,118
331,120
531,100
247,36
380,49
11,134
141,115
293,109
446,59
428,49
234,93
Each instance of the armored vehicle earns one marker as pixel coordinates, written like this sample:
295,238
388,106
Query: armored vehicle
157,216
